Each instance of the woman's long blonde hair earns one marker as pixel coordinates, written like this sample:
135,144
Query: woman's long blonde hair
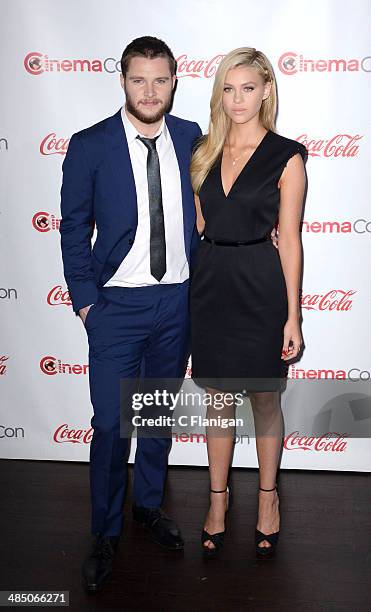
212,144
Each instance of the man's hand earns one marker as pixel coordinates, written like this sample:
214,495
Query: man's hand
274,237
84,311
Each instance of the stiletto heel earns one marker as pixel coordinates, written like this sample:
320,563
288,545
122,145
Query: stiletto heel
266,552
216,538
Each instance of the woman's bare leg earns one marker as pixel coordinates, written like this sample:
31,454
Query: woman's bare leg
269,431
219,450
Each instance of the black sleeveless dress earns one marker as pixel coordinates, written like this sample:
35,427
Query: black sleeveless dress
238,297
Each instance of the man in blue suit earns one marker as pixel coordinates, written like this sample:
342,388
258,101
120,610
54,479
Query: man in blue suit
129,175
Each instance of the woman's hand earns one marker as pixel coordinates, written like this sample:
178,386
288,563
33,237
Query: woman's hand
291,332
274,237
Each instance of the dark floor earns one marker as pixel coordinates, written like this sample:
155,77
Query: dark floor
323,560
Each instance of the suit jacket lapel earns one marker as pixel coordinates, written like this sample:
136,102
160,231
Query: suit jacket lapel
119,159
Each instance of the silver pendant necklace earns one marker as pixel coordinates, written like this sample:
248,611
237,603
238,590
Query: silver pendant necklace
235,159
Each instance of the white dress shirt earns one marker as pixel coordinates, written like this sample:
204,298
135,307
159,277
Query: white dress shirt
134,270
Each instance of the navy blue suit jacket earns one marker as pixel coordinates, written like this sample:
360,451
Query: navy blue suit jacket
98,188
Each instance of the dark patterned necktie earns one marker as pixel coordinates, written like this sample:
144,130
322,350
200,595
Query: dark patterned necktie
156,213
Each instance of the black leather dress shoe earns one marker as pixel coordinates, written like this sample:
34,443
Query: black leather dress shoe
98,566
163,529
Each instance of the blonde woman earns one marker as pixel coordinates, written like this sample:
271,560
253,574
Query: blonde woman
244,292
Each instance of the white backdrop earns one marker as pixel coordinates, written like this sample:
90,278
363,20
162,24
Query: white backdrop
59,74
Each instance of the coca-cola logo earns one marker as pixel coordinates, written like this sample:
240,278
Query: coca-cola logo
3,359
63,434
340,145
335,299
329,442
197,68
44,222
57,296
51,145
291,63
51,365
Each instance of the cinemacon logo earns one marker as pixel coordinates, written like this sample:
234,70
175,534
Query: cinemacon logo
291,63
44,222
36,63
11,432
354,374
359,226
51,366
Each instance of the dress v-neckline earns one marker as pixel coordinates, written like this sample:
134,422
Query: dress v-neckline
242,169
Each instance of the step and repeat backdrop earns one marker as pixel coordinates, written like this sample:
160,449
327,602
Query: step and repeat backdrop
60,74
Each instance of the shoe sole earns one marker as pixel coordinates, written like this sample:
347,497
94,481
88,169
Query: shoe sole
268,555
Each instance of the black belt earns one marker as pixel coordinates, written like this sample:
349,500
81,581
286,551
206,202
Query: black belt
239,243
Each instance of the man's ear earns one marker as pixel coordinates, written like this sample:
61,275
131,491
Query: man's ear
122,80
174,81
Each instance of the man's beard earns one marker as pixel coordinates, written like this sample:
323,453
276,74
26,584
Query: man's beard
164,108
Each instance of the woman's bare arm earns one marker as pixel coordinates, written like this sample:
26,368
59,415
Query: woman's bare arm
292,184
200,221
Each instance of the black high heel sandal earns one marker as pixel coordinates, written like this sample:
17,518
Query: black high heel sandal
266,552
216,538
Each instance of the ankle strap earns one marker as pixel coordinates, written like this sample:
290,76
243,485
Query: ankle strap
275,487
214,491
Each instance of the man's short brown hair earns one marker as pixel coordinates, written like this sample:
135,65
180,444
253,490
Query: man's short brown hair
150,47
